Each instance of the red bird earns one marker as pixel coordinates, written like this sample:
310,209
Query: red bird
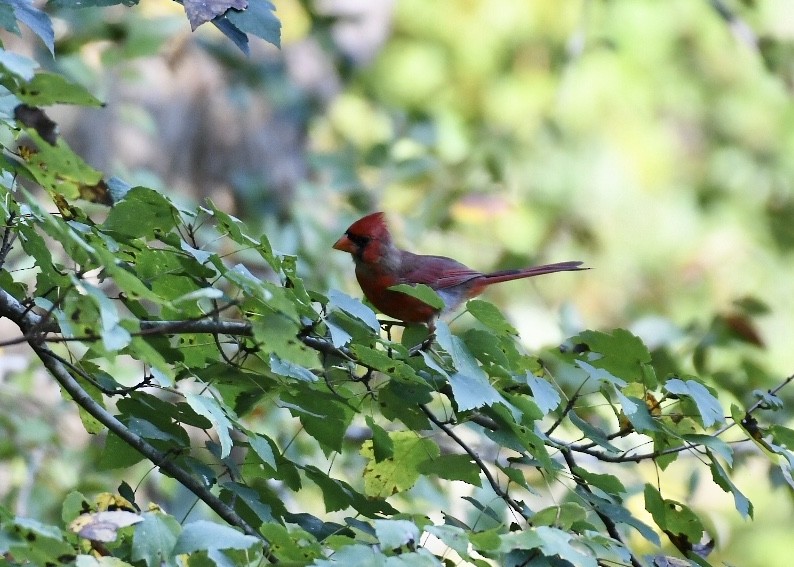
381,265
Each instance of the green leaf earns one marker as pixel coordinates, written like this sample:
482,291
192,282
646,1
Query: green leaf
263,447
381,442
453,536
382,362
142,213
353,307
637,413
399,472
595,434
623,354
114,336
258,19
58,169
672,516
49,88
708,406
17,64
74,504
393,534
356,554
203,535
721,478
487,314
154,539
324,418
471,392
462,359
277,334
453,467
38,22
290,370
551,541
606,482
117,454
562,516
422,292
338,495
545,395
209,408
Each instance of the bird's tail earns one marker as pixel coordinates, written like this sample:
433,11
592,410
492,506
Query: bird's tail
507,275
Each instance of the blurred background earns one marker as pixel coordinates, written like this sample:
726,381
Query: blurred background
654,140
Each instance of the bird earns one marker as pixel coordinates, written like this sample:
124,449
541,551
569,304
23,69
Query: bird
380,265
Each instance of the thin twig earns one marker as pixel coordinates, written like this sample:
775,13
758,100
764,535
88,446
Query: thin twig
476,458
611,528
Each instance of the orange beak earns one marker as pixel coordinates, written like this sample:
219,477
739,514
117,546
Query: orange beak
345,245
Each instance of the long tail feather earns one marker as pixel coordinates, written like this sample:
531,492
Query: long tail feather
507,275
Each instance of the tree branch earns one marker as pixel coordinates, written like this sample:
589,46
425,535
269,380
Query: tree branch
476,458
27,322
610,526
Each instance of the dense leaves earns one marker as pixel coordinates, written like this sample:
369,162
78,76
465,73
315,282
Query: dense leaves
316,436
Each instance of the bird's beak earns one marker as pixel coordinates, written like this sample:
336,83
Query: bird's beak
345,244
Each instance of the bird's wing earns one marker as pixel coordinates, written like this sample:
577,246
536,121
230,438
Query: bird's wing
438,272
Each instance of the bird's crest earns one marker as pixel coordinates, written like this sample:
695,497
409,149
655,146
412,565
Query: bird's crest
372,226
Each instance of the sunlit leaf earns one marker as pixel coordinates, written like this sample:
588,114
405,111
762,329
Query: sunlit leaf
398,472
709,407
209,408
204,535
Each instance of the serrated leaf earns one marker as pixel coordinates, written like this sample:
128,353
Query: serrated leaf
708,406
462,359
17,64
487,314
471,392
38,22
592,432
355,308
399,472
290,370
562,516
606,482
262,447
50,88
551,541
453,536
259,19
339,337
154,539
117,454
114,336
393,534
209,408
203,535
672,516
202,11
422,292
231,31
545,395
637,413
382,362
381,442
721,478
141,213
623,354
453,467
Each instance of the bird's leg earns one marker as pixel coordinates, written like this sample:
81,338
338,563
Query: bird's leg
431,335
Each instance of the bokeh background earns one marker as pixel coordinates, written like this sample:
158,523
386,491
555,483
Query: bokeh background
652,139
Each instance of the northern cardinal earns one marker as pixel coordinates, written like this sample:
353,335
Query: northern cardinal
381,265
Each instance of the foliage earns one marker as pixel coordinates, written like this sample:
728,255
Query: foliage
315,436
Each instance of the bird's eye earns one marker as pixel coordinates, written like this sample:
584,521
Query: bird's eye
358,239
